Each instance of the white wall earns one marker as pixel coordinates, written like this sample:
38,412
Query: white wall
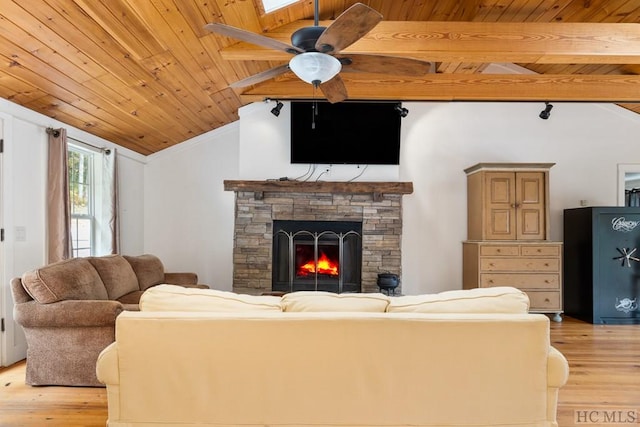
188,221
439,140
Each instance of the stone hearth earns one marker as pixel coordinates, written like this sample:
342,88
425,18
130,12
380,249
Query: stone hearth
378,205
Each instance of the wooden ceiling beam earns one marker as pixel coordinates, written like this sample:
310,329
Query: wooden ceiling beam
463,87
519,42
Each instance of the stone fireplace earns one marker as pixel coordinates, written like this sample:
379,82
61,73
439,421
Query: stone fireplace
279,222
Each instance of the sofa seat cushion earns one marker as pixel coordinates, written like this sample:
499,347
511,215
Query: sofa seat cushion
117,275
72,279
329,302
148,269
479,300
177,298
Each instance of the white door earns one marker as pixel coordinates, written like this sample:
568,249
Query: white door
13,345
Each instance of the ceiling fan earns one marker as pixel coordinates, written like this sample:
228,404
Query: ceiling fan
317,59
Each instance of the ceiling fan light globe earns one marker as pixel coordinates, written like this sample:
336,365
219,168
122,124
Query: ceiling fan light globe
313,67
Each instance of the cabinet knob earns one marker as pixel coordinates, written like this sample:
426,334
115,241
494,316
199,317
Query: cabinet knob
546,264
546,300
490,280
498,250
547,281
539,250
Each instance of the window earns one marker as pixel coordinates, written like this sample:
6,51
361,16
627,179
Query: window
82,195
271,5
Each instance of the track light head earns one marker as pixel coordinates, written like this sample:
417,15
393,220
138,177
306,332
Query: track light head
403,112
546,113
276,110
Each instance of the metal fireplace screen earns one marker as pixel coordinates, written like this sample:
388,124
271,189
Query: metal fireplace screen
317,255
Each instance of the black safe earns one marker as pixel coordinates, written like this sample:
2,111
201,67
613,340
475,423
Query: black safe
602,264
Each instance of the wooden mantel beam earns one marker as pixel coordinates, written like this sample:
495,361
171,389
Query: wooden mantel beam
480,42
464,87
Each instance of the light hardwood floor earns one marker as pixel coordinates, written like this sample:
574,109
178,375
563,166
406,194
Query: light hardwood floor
604,363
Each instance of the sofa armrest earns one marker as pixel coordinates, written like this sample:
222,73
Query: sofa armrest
180,278
107,365
557,369
67,314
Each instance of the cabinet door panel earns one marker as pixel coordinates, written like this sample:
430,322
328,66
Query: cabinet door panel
530,196
501,188
530,223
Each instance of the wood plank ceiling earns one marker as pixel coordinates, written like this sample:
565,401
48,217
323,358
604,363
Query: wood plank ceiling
144,74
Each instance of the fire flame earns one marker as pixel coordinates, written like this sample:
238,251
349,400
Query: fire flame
325,266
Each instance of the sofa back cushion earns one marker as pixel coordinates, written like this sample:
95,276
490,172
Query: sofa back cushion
72,279
330,302
479,300
177,298
117,275
148,269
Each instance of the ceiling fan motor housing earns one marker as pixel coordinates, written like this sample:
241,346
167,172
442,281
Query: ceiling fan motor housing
305,38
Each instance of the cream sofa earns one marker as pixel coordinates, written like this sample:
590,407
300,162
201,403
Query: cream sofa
312,359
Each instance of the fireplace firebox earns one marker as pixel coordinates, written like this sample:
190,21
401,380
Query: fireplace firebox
317,256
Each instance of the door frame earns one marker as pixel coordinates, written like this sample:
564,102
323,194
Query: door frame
623,169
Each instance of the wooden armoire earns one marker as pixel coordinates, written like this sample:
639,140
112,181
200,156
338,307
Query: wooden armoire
508,240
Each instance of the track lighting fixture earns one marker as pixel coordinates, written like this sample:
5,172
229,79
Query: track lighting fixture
544,114
276,110
401,110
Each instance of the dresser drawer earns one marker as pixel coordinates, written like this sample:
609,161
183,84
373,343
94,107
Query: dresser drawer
523,281
541,300
499,250
542,250
520,264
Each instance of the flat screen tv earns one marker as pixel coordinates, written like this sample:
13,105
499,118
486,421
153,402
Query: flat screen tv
345,133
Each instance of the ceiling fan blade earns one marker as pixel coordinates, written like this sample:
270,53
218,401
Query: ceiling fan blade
260,77
334,90
384,65
348,28
249,37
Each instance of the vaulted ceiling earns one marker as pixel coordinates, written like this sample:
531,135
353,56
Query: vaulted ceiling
146,75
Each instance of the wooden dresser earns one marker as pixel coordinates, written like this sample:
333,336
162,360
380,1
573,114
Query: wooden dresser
508,232
534,267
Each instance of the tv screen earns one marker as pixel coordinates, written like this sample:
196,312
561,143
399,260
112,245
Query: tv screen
345,133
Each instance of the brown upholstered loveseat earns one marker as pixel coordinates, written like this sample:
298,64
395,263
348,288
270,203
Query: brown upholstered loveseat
68,311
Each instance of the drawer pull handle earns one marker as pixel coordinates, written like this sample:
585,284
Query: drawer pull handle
490,280
498,250
539,250
547,281
546,300
546,264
